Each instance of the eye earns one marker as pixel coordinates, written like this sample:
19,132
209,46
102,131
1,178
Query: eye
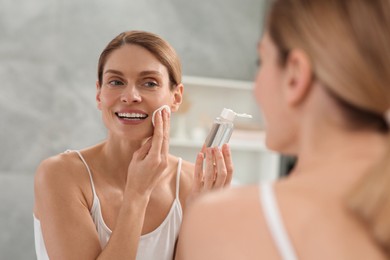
150,84
115,83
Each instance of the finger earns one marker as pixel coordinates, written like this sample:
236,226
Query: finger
221,168
210,170
203,150
158,135
166,130
141,153
198,175
227,155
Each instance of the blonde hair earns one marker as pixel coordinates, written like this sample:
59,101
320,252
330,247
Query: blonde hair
348,43
160,48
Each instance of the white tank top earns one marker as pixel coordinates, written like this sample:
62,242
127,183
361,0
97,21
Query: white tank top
275,222
158,244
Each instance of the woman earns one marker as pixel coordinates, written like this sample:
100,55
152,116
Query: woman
324,89
123,198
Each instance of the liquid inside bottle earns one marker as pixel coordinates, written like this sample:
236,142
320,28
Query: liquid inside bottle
220,134
222,129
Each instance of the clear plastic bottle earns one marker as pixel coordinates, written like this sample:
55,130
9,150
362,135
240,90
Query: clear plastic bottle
222,128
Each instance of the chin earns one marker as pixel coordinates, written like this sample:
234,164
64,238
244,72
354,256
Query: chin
136,135
284,147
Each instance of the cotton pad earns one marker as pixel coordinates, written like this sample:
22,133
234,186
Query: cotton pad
166,107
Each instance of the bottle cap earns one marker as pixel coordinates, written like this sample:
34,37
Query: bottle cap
229,114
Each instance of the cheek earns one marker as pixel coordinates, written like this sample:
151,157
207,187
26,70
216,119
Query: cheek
261,85
108,98
163,98
267,95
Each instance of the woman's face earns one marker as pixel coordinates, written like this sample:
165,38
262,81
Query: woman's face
269,96
134,85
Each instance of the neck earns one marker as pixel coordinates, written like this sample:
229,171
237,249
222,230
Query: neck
326,144
338,158
117,154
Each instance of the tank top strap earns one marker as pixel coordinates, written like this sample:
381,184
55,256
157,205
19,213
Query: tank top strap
178,177
275,222
88,169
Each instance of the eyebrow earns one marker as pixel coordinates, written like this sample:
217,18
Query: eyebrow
114,72
151,72
142,73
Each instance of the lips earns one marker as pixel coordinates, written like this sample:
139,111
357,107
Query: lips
131,116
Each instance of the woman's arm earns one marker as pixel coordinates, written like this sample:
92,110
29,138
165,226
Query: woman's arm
62,209
67,226
153,156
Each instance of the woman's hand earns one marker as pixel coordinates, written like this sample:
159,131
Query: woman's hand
148,165
213,172
151,160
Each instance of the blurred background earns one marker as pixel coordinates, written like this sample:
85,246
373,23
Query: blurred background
48,58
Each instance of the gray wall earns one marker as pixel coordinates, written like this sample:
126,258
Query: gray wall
48,56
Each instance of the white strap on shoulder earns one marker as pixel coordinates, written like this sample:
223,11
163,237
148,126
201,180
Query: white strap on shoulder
89,172
275,222
178,177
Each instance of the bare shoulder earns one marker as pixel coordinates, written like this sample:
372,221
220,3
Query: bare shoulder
311,210
221,219
56,168
57,177
230,203
225,209
52,168
233,219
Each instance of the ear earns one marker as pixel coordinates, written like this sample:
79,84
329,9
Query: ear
177,95
298,77
98,92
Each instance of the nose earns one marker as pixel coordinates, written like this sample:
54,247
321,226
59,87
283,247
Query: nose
130,95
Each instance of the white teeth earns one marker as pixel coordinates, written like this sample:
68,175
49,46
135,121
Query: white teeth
132,115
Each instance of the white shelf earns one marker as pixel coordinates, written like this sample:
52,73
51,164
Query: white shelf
217,83
234,145
207,96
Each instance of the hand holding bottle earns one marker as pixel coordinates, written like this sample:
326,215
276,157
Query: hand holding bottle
213,171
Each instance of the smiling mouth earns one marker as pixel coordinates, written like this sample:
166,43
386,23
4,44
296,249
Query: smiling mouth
131,116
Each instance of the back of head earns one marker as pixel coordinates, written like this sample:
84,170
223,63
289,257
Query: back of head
160,48
348,44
